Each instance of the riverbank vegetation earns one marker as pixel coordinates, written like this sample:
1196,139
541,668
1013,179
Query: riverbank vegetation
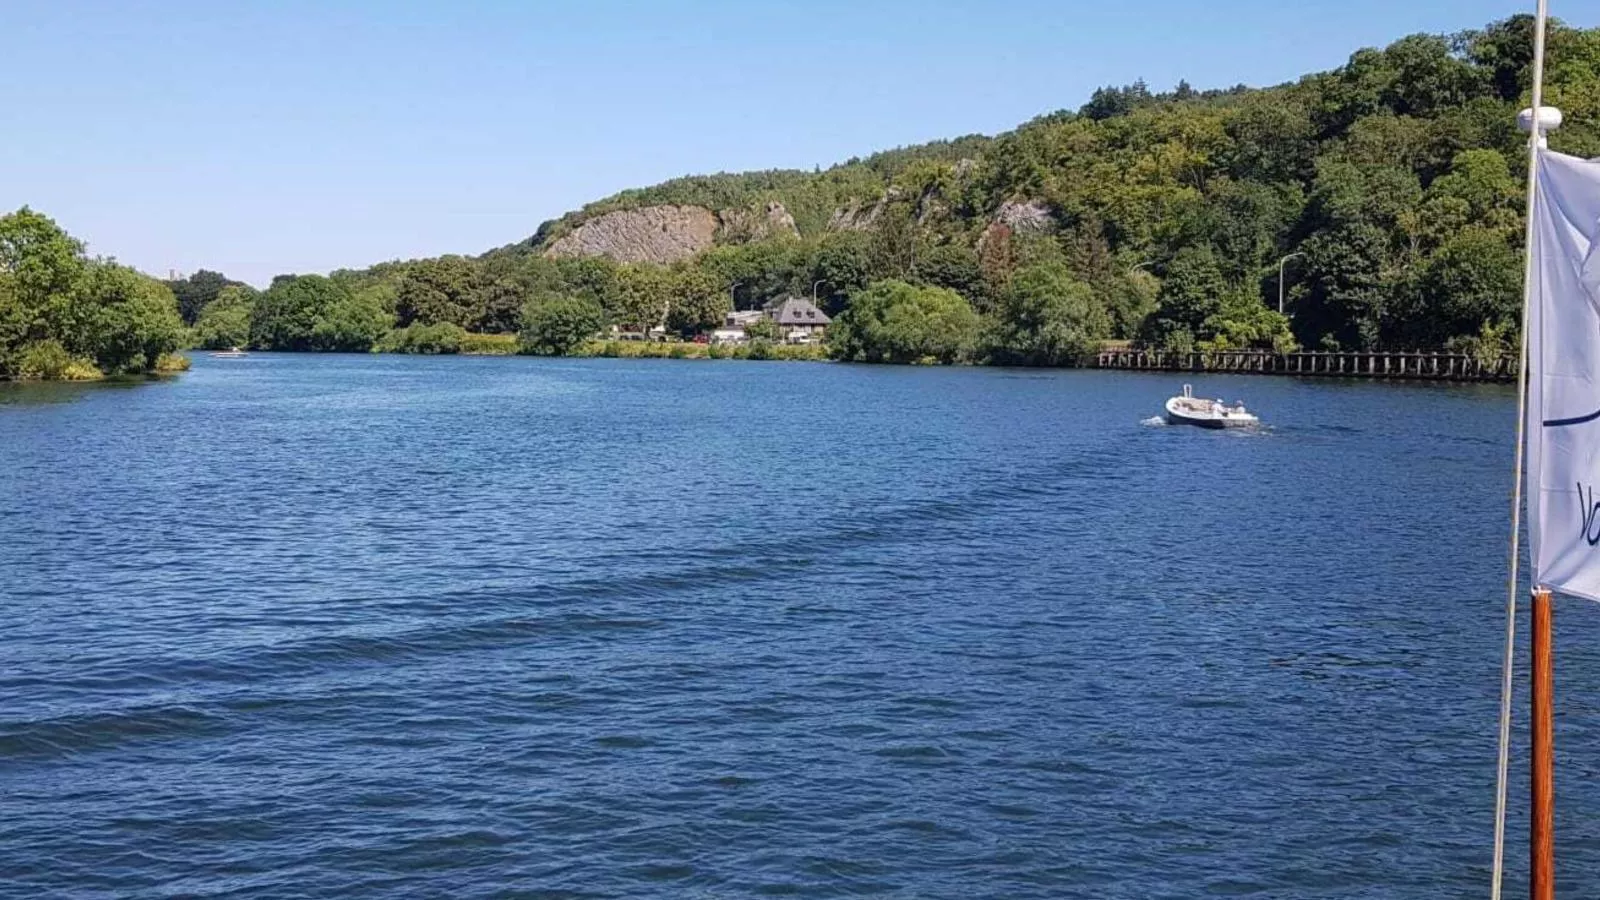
65,315
1386,192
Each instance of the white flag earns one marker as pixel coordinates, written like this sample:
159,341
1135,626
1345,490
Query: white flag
1563,425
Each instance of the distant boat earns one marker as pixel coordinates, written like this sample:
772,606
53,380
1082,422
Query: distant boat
1191,410
231,353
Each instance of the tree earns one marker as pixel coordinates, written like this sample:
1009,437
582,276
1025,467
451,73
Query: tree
437,290
1482,181
44,266
353,321
698,302
1242,320
1046,318
555,325
762,329
197,291
225,321
1474,280
312,312
895,240
132,319
1190,293
842,263
1339,302
953,266
642,296
496,305
56,303
893,321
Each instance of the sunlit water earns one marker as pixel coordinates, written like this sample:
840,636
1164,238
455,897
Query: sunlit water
387,626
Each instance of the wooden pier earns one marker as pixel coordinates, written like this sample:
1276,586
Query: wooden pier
1412,366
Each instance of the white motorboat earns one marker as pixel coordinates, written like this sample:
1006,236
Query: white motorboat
1191,410
231,353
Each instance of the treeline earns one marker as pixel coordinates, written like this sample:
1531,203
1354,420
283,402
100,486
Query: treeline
1392,186
1388,191
66,315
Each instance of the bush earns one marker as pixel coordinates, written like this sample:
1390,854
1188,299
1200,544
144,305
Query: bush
489,344
762,329
172,362
556,326
51,361
446,337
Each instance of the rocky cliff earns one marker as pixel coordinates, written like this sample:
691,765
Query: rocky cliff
668,233
656,234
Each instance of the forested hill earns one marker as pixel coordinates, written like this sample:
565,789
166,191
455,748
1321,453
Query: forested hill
1392,184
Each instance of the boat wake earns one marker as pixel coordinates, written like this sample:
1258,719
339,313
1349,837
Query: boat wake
1154,422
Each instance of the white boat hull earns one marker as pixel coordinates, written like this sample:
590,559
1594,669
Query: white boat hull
1205,414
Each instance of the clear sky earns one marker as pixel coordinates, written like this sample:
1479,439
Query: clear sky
305,135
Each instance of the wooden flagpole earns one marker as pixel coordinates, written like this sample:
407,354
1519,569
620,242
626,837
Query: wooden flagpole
1541,818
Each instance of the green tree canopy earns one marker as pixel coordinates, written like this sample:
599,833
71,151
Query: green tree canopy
1046,318
225,321
52,296
313,312
197,291
556,325
893,321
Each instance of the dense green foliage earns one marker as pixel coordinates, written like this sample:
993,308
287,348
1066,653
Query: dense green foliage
1045,317
311,312
444,337
64,315
555,326
1386,191
198,291
224,323
893,321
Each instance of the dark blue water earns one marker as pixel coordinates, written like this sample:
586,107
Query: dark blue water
421,627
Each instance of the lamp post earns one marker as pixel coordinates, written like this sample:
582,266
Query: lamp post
1281,263
814,291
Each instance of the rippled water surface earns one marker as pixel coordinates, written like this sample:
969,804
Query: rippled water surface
385,626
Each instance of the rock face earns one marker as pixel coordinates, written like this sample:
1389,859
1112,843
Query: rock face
771,220
666,234
1013,218
861,215
855,217
655,234
1025,216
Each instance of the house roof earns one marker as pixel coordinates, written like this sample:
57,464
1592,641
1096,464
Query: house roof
798,311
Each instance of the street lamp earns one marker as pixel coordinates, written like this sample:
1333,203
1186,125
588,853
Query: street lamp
814,291
1280,277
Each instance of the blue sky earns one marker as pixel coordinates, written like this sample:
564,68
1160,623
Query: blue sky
290,136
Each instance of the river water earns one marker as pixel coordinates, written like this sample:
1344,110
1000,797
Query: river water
379,626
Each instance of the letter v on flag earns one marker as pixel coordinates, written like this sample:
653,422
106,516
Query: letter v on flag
1563,425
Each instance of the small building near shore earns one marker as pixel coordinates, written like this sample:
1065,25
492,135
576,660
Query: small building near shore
732,329
798,319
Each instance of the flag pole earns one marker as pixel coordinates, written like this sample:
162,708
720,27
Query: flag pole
1541,818
1541,810
1541,881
